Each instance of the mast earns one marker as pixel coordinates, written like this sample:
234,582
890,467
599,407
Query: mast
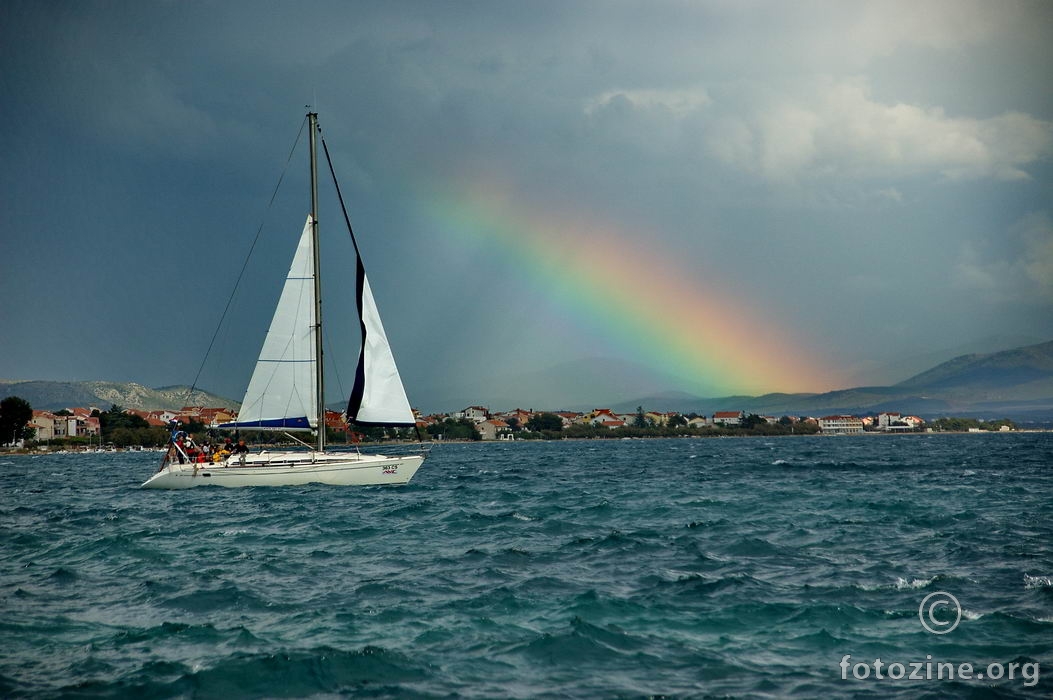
312,123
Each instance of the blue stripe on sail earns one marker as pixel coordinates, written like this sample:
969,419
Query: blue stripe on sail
301,423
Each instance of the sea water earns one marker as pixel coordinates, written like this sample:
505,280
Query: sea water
743,567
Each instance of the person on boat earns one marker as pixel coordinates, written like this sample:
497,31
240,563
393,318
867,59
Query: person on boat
220,455
241,450
177,440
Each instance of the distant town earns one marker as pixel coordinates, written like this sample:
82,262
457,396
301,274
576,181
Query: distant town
117,427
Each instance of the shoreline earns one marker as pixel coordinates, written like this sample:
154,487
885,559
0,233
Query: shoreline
433,443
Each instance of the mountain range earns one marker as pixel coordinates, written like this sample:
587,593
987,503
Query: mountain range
1016,383
52,396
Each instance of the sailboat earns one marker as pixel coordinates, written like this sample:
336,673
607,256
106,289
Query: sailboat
287,388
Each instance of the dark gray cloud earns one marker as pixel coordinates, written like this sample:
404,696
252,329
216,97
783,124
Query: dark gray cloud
878,174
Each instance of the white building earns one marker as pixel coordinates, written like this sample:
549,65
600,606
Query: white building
841,425
476,414
728,418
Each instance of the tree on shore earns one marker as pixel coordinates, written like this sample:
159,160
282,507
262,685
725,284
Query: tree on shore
544,421
963,425
640,421
115,419
751,421
127,429
450,429
15,414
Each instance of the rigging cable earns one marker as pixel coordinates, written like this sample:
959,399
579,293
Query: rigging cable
245,264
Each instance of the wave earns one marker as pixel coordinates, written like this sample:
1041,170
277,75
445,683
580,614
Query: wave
692,584
206,633
223,599
616,540
1040,582
902,583
293,673
583,642
63,575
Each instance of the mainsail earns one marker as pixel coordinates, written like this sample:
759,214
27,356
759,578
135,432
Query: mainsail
282,394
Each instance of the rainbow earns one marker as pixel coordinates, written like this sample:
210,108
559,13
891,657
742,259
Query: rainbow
645,302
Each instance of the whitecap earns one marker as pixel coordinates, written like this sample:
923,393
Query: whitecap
780,461
681,575
970,615
1038,581
520,516
902,583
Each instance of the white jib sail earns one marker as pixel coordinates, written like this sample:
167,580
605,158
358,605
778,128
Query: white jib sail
282,392
384,397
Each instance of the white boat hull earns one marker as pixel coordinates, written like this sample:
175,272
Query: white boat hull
290,469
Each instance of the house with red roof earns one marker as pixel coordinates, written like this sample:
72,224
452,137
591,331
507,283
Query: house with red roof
494,429
151,417
600,415
50,426
728,418
569,417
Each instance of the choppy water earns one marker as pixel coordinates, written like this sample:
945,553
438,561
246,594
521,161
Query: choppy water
717,567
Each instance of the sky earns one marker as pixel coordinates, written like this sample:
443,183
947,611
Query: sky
719,197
